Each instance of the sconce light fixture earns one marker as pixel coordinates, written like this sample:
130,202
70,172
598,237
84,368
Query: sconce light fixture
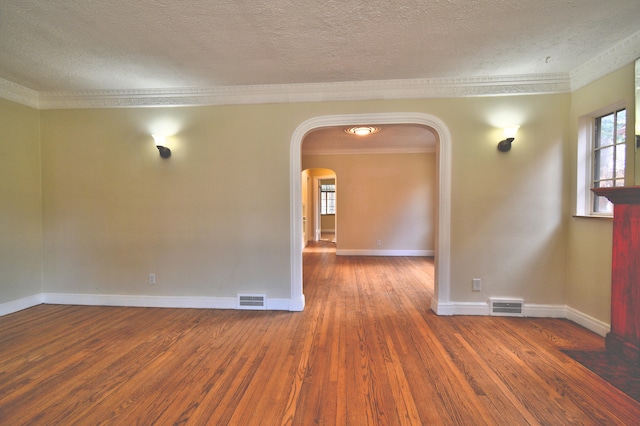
509,136
160,141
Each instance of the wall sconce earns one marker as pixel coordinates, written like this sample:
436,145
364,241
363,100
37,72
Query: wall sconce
509,136
160,140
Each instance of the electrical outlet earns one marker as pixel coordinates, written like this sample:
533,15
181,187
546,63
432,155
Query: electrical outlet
476,284
378,242
152,278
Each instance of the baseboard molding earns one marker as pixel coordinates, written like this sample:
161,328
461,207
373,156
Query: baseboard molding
279,304
530,310
599,327
297,305
471,308
441,309
195,302
20,304
348,252
273,304
140,301
544,311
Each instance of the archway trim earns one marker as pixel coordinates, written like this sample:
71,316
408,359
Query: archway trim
440,303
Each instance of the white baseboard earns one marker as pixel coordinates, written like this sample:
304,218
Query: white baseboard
348,252
20,304
588,322
297,305
143,301
471,308
441,309
544,311
273,304
530,310
278,304
140,301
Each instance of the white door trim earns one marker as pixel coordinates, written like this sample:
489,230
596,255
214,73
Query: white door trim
440,303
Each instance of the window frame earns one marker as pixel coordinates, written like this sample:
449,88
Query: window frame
324,204
585,198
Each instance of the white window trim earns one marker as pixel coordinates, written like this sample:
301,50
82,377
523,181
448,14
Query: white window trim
586,129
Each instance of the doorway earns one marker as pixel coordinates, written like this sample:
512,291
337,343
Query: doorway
440,303
325,211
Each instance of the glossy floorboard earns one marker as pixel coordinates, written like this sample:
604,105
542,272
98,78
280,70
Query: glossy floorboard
366,350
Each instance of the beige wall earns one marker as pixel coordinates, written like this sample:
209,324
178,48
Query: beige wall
507,208
210,221
214,218
20,203
389,197
328,222
589,240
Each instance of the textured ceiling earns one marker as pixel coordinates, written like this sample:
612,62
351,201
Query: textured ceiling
83,45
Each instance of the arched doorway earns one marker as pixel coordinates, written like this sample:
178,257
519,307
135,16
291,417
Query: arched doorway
440,303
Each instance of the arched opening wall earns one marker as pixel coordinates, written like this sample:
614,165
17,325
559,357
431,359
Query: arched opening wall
440,303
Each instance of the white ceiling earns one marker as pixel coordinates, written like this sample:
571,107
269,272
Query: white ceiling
113,45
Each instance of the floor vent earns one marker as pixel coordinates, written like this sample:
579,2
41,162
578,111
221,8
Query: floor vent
252,301
507,307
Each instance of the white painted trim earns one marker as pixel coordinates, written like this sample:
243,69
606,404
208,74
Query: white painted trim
443,161
441,308
585,160
470,308
529,310
143,301
146,301
20,94
200,302
618,56
312,92
590,323
20,304
358,252
544,311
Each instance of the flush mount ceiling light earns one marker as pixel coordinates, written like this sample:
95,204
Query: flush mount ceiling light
362,130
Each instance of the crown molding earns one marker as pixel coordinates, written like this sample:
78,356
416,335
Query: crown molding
20,94
284,93
620,55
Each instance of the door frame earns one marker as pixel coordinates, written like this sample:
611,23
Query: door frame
317,214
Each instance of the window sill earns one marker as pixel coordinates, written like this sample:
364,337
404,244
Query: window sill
591,216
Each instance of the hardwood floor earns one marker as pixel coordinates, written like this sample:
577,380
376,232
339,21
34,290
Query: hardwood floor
366,350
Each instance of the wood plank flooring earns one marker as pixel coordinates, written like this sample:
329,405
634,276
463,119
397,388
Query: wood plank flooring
366,350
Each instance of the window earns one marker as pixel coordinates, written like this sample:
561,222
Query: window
601,158
609,152
327,199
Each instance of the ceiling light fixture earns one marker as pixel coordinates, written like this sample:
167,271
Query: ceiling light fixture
362,130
